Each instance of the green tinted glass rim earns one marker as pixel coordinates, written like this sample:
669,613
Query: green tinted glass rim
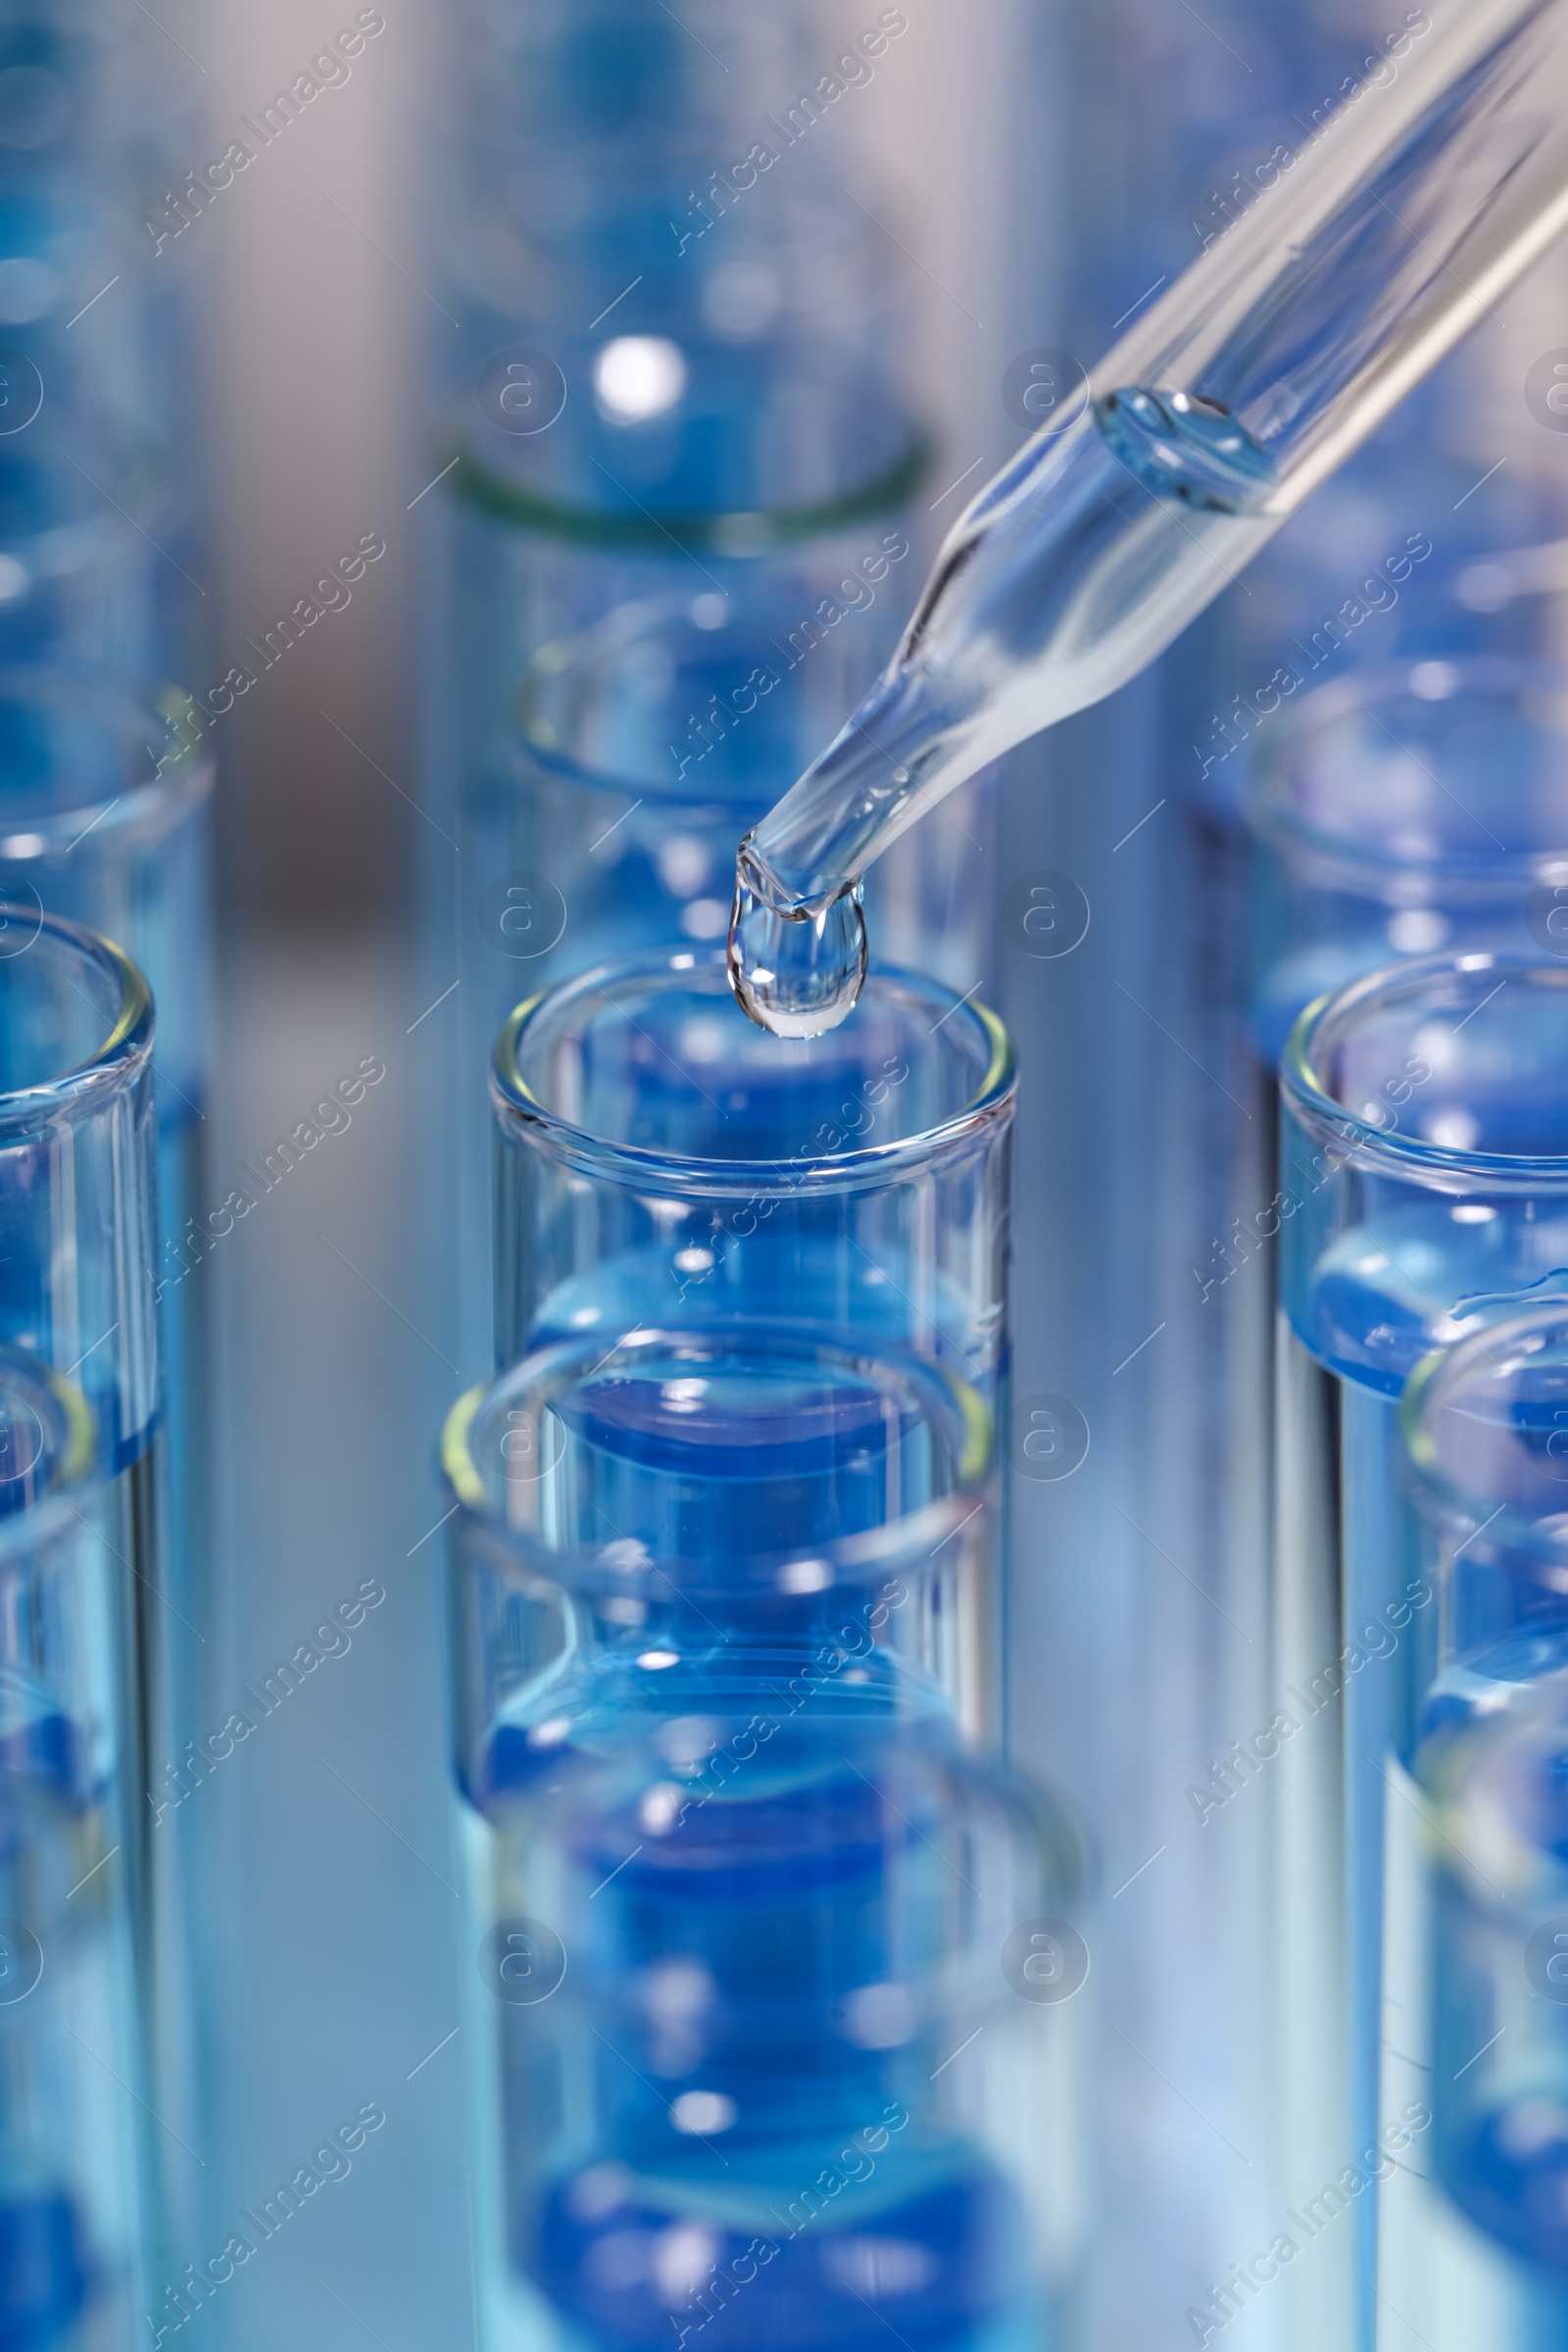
745,533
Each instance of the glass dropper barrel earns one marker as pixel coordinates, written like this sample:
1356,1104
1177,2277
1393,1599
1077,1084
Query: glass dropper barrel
1437,176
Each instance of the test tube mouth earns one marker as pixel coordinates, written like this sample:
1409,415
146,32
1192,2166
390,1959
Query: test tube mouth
1484,1427
48,1450
76,758
1378,782
1450,1071
76,1019
742,1411
678,1015
602,708
741,534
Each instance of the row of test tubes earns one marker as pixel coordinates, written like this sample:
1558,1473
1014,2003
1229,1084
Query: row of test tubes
1406,1034
105,782
769,1963
676,1203
789,2003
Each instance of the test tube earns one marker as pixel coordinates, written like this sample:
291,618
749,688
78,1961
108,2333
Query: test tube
728,408
78,1244
743,1911
655,1151
105,817
1408,809
1497,2254
658,1158
1422,1187
72,2074
642,748
1482,1430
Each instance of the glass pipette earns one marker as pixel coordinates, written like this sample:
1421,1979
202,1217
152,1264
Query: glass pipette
1384,238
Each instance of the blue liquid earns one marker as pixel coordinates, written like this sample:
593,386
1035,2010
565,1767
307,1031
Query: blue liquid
736,1908
66,2128
1502,2124
666,1472
1186,449
723,1957
937,2265
1383,1295
43,2279
1511,2175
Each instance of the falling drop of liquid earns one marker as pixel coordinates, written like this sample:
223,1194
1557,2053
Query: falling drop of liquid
795,975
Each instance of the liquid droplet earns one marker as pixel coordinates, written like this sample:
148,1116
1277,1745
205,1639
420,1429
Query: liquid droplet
794,974
1182,446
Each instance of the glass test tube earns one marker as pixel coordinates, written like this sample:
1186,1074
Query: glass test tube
96,409
78,1245
1405,809
657,1158
642,749
1484,1425
1499,2256
738,1893
105,817
725,418
72,2074
1422,1187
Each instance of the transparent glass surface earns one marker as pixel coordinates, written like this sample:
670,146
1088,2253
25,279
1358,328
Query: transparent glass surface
77,1168
1224,406
1404,810
78,1246
742,1905
760,1472
727,414
1486,1428
72,2132
659,1158
1497,1957
661,1161
607,821
740,362
1424,1190
105,817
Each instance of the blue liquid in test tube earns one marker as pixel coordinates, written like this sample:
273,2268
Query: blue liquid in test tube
742,1907
1499,1936
659,1159
78,1248
1424,1175
72,2202
105,817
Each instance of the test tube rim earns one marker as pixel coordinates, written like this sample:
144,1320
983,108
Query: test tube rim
78,1474
1440,1498
1441,1167
148,809
1328,857
527,741
847,1171
523,1555
742,535
115,1063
